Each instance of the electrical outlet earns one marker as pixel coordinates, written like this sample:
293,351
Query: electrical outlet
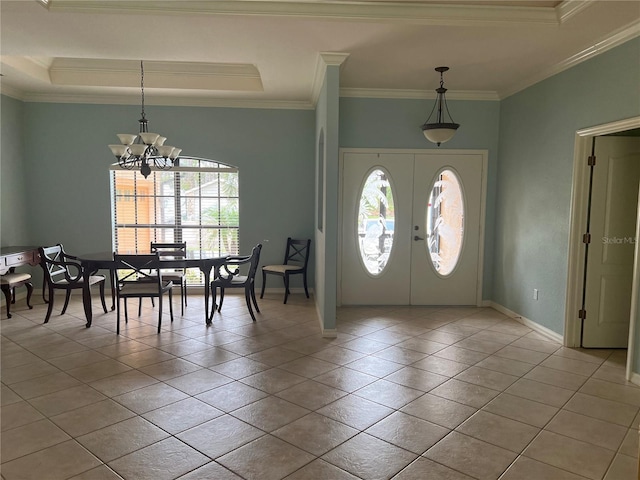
535,294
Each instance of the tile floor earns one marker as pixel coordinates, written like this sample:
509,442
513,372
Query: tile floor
403,393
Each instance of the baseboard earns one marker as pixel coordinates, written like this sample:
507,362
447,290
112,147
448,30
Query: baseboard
635,378
542,330
329,333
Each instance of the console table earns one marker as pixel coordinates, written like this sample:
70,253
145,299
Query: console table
13,257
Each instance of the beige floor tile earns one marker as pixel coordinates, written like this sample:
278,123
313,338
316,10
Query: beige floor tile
270,413
522,354
98,370
500,431
145,357
8,396
184,347
121,438
273,380
66,400
311,395
211,471
365,345
338,355
368,457
254,461
123,382
612,391
239,368
220,435
58,462
603,409
30,438
170,369
471,456
27,372
521,409
487,378
164,460
319,469
421,345
92,417
18,414
199,381
423,468
445,338
345,379
182,415
416,378
529,469
615,374
536,345
99,473
465,393
308,367
231,396
275,356
327,433
569,454
210,357
150,398
461,355
439,410
587,429
571,365
441,366
375,366
356,412
400,354
480,344
388,393
37,387
408,432
597,356
540,392
505,365
558,378
629,445
623,468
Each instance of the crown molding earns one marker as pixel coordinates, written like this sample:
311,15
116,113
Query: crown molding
569,8
618,37
170,101
398,12
12,92
417,94
324,60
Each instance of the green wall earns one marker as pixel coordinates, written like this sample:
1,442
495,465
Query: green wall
537,135
67,161
14,212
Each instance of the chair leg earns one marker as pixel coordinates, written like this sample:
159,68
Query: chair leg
286,288
104,305
181,300
170,304
7,296
140,306
185,292
160,302
50,308
247,297
264,282
126,313
13,295
29,286
66,302
213,301
253,297
304,280
118,317
221,298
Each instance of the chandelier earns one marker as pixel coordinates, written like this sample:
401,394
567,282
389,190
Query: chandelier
144,149
441,130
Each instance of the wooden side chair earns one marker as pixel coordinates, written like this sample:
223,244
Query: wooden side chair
9,282
63,272
230,277
177,276
139,276
296,260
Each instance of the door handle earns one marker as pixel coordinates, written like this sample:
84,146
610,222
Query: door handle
416,238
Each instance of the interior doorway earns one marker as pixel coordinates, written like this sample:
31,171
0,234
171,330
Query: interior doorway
578,274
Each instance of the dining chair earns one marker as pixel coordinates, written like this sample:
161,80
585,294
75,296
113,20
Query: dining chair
9,282
230,277
140,276
177,276
63,272
296,260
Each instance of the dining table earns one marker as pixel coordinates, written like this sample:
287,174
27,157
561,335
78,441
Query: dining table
93,262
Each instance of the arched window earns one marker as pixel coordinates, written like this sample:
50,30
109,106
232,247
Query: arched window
196,202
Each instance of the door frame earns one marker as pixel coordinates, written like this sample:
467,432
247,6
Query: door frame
415,151
578,226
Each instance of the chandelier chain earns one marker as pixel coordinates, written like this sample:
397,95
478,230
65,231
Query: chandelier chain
142,85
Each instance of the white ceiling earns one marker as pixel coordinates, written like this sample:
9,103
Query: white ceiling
269,53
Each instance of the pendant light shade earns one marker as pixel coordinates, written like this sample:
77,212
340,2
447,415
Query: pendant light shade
443,128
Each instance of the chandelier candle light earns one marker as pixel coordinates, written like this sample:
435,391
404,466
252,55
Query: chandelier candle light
145,148
441,130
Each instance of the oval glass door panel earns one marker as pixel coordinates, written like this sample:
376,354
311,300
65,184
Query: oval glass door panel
445,222
376,221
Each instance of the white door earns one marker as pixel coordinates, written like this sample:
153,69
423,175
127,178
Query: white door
407,257
614,201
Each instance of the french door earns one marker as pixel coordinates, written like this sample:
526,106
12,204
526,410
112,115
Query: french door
411,228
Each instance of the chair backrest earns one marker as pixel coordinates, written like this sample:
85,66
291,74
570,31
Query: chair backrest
297,252
232,265
132,269
58,267
173,250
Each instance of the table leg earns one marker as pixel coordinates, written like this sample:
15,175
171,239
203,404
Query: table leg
207,281
86,299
